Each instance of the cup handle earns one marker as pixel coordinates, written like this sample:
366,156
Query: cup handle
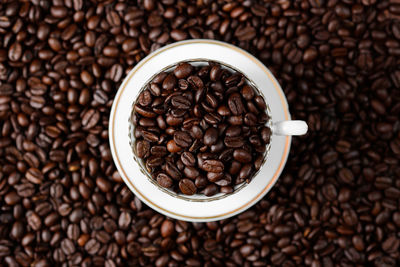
295,127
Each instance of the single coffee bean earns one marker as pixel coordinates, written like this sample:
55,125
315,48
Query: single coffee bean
235,104
266,134
250,119
211,190
201,182
182,139
191,172
173,147
247,92
212,118
149,136
188,159
214,176
164,180
180,102
145,112
241,155
142,148
210,136
234,142
233,131
196,132
173,171
183,70
245,171
223,111
158,151
187,187
211,165
235,120
169,82
218,147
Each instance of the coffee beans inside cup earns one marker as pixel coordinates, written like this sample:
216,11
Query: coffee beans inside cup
200,128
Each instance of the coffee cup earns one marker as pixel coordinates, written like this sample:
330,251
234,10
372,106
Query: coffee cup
199,207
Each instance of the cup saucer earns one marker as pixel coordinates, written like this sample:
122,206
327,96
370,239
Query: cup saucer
196,209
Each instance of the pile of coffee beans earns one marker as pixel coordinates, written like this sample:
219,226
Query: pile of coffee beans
200,129
62,202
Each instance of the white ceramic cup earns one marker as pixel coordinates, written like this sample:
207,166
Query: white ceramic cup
199,207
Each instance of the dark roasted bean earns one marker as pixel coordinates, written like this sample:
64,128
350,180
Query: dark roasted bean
187,187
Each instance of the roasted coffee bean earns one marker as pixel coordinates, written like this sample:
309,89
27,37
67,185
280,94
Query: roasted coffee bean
211,165
235,104
183,70
188,159
210,136
169,82
210,190
245,171
182,139
149,136
212,118
235,141
180,102
173,147
250,119
241,155
142,148
145,112
247,92
187,187
191,172
173,171
164,180
201,182
214,176
235,120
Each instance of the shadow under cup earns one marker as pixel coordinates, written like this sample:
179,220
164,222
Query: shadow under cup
196,197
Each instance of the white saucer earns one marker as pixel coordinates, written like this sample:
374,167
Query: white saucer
185,208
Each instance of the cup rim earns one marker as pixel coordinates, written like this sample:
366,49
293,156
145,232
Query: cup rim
127,179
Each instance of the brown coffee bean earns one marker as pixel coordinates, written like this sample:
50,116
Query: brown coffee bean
34,176
191,172
187,187
180,102
211,165
210,136
210,190
142,149
167,228
182,139
164,180
183,70
235,104
188,159
214,176
173,147
245,171
242,155
173,171
234,142
169,82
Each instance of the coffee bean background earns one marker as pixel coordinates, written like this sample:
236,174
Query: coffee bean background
62,202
